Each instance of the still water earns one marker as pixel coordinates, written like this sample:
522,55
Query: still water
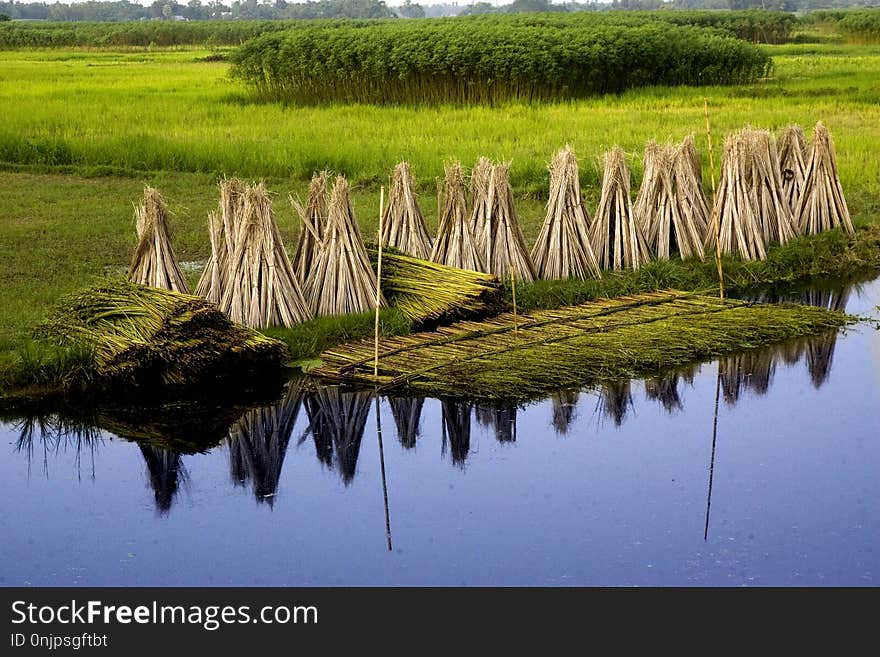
640,483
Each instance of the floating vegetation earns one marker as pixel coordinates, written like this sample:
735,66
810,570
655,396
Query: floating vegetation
563,249
429,294
342,279
504,358
403,226
312,216
822,205
456,243
154,262
144,335
617,239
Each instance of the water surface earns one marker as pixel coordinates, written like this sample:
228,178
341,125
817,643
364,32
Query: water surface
632,483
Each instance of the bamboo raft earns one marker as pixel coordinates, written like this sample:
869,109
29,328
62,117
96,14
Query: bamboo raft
522,357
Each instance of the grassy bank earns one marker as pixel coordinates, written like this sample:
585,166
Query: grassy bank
84,131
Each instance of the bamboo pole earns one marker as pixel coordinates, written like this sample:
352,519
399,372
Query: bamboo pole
378,286
715,224
513,286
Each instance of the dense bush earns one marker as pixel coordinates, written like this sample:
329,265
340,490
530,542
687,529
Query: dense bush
862,26
489,59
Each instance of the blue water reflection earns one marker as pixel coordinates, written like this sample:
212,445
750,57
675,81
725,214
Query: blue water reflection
643,482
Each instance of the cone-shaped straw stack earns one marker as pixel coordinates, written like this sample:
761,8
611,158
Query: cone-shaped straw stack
766,180
669,220
221,230
752,209
563,249
740,224
403,226
481,209
262,289
617,240
822,205
312,217
506,252
342,280
154,262
455,244
693,203
792,147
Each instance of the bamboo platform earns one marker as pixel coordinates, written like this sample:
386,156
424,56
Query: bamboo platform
520,357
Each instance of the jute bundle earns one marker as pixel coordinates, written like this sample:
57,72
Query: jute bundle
481,205
342,279
313,217
617,240
563,249
822,205
262,289
506,252
792,147
221,231
752,208
693,203
455,244
403,226
153,262
766,180
740,224
669,221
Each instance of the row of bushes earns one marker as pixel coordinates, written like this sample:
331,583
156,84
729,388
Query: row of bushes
752,25
488,60
854,25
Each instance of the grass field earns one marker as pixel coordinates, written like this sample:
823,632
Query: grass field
84,131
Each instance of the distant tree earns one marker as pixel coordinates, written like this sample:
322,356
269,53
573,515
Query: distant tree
166,12
4,17
410,10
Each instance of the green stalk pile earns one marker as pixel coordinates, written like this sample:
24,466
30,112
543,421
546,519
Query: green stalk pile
518,358
429,293
143,335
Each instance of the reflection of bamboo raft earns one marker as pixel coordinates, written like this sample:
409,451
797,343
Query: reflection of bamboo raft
615,400
564,409
407,412
337,421
457,429
258,443
165,472
665,390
